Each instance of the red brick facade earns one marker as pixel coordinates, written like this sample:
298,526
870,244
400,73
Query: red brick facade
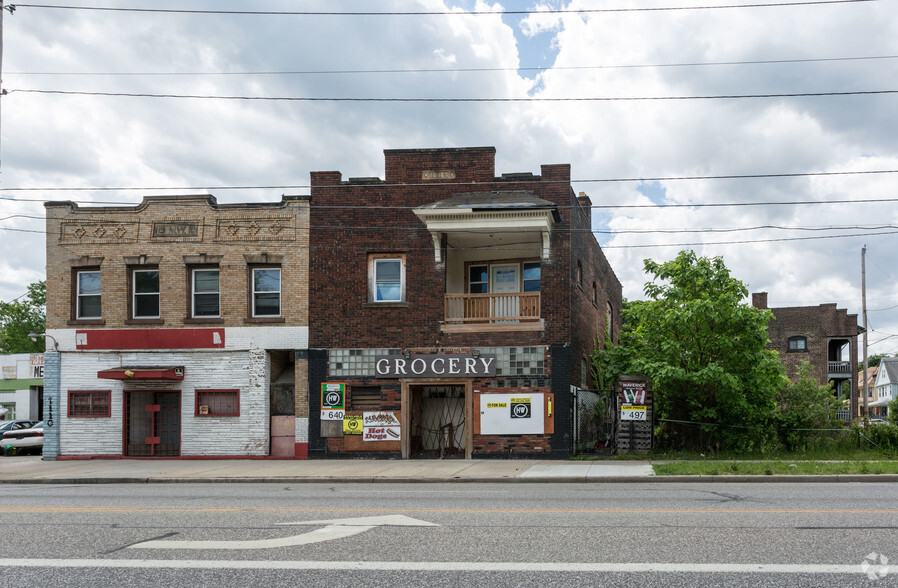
353,220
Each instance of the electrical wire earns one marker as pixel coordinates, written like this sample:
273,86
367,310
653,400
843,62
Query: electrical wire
412,184
444,12
458,69
528,99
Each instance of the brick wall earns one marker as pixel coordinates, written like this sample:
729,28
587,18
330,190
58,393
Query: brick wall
244,435
172,232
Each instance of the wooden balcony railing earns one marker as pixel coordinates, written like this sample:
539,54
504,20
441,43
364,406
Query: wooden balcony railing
839,367
492,308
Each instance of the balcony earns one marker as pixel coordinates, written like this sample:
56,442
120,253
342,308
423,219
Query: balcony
519,311
838,369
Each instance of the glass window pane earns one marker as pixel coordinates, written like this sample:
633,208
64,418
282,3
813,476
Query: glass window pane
267,280
89,307
388,270
146,306
531,285
477,273
88,283
531,271
479,288
205,281
388,292
146,282
205,305
267,304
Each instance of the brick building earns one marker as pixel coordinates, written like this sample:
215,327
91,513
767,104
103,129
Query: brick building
452,310
182,328
823,335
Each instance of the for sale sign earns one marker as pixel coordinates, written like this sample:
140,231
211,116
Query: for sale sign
633,412
333,401
520,408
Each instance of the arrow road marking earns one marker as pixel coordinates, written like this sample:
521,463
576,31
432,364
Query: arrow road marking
335,529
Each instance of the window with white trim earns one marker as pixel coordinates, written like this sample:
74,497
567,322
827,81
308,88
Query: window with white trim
266,292
206,295
145,293
87,292
386,276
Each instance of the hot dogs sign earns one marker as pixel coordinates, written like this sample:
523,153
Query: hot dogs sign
380,426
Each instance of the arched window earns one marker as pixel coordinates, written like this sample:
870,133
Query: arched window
798,344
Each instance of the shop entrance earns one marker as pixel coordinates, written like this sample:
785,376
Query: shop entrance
438,421
152,423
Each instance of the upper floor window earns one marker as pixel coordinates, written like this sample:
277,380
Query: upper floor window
478,279
798,344
87,292
579,276
145,292
206,296
532,276
386,278
266,291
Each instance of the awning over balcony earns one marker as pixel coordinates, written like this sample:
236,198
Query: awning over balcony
143,373
483,219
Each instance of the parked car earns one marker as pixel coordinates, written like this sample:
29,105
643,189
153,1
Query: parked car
15,424
29,438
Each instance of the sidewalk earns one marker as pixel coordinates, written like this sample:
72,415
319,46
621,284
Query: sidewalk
33,470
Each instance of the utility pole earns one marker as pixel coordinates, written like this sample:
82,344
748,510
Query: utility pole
864,311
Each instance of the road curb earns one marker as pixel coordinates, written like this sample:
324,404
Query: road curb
703,479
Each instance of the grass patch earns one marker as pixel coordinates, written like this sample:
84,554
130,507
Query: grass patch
773,467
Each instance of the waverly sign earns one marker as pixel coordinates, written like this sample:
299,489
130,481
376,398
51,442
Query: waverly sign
435,366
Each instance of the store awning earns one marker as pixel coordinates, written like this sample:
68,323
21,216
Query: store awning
143,373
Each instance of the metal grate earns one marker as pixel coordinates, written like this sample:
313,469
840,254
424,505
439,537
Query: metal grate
153,423
438,425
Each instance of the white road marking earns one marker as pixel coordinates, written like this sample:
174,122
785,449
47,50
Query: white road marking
443,566
335,529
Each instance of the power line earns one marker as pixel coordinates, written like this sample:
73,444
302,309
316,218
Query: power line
443,12
456,100
462,69
386,185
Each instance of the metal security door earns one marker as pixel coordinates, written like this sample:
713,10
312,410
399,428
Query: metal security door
152,423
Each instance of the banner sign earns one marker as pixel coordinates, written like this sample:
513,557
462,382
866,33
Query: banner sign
381,426
633,392
459,365
333,401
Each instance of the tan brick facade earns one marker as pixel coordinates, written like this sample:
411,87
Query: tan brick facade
174,234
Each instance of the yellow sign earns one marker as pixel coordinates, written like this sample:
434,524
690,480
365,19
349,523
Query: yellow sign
520,400
497,405
352,424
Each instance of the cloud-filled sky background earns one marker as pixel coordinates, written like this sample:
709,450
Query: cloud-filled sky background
801,254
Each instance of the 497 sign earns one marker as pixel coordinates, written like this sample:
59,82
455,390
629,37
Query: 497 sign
333,402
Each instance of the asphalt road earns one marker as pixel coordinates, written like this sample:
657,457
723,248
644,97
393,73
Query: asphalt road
450,534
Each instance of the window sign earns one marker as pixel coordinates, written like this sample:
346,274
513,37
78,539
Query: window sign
333,402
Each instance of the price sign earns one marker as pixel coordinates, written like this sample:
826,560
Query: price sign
633,412
333,402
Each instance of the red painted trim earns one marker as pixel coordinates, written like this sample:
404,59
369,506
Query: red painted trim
301,451
150,339
106,393
231,392
137,373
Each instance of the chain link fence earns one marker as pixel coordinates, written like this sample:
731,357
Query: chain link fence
592,424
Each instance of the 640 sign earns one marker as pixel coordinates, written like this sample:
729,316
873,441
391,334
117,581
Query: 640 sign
333,401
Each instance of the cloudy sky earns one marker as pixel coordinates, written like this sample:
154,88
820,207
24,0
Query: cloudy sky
631,147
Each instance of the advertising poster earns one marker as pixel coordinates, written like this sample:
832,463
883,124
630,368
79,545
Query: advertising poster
380,426
333,401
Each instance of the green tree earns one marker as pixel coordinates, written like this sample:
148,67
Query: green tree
703,348
804,404
872,361
21,317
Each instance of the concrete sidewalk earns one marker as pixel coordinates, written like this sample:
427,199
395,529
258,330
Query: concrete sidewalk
33,470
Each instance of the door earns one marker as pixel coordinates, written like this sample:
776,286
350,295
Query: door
505,282
152,425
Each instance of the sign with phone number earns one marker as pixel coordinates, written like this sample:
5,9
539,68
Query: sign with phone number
632,412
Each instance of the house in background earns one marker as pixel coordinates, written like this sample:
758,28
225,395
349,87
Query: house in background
182,328
22,386
886,385
823,335
453,310
868,389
